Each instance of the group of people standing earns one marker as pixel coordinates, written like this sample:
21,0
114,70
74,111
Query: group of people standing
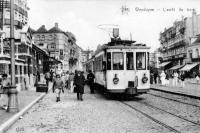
176,77
73,82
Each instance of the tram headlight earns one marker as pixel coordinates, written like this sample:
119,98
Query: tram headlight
115,79
144,79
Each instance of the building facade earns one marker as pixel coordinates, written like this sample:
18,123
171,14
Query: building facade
176,40
154,59
23,43
61,46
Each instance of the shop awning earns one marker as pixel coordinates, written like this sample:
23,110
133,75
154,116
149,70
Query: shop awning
188,67
53,61
176,67
164,64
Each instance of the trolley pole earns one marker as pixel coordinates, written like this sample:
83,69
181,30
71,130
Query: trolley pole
12,92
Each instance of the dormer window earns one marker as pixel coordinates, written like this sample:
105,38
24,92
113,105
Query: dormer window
41,44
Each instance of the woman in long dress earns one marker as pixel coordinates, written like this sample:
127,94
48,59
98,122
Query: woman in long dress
163,76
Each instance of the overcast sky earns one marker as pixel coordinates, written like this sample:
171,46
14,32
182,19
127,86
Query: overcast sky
82,17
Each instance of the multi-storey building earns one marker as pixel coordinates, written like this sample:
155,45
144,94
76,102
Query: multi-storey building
30,61
86,55
154,59
23,42
60,45
176,39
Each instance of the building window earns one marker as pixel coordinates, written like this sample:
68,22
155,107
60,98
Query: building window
43,38
41,44
190,53
61,51
197,52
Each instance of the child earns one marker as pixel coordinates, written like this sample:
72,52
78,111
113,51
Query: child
57,87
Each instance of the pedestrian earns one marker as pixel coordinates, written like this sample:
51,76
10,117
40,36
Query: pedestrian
79,82
51,75
162,76
47,77
155,77
5,83
182,79
197,78
167,78
63,79
90,81
175,78
38,76
67,79
71,82
58,87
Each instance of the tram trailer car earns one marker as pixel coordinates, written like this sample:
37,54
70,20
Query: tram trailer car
122,67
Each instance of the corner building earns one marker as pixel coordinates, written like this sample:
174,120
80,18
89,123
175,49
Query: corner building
175,41
60,45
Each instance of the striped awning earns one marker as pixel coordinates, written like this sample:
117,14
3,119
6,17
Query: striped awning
188,67
176,67
164,64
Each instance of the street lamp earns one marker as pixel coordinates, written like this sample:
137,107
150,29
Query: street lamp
12,92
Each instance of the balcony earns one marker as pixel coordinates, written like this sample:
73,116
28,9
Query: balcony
178,41
17,23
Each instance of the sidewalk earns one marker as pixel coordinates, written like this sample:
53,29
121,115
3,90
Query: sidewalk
25,100
190,89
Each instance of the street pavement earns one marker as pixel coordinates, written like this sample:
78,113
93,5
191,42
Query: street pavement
95,114
191,88
24,98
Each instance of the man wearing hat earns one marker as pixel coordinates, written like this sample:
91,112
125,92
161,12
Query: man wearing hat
79,82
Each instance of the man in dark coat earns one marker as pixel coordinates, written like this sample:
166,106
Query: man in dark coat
90,79
79,82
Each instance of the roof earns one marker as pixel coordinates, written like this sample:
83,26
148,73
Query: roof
55,29
32,30
42,29
188,67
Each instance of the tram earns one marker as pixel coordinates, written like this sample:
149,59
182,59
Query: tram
121,66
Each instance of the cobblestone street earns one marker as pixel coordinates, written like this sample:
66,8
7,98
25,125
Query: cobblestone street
93,115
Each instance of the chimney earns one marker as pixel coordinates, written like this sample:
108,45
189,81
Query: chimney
194,12
56,25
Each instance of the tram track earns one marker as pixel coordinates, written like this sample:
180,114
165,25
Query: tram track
178,101
152,118
171,128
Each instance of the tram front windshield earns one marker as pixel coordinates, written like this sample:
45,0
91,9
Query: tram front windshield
118,61
141,60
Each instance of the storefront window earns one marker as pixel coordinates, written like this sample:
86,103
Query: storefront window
140,60
129,61
118,62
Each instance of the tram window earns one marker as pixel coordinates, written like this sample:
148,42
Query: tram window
129,61
118,62
140,60
108,61
148,66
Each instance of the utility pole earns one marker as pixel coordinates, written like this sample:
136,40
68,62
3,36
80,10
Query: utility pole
12,92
